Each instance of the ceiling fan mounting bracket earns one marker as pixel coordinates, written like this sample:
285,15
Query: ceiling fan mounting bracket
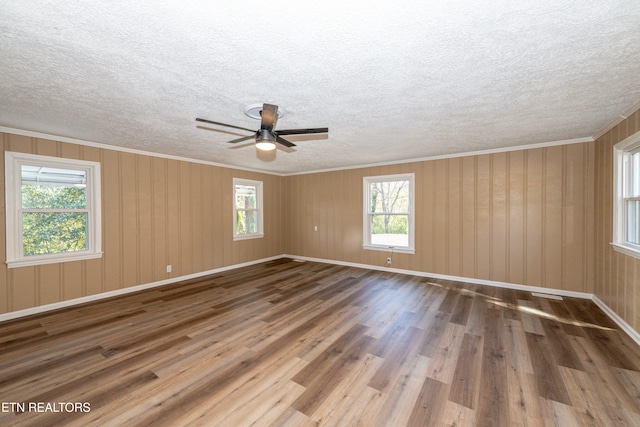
255,111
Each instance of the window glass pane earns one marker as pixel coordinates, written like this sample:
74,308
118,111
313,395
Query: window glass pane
246,222
389,196
634,174
633,221
50,233
245,197
51,188
390,230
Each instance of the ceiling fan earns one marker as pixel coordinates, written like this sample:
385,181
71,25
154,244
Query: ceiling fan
266,137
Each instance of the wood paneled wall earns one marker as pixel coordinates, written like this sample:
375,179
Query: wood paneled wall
617,276
523,217
156,212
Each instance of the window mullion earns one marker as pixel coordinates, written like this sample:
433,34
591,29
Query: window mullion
52,210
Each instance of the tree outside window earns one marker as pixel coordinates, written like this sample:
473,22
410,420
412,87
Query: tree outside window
53,209
54,218
389,212
247,221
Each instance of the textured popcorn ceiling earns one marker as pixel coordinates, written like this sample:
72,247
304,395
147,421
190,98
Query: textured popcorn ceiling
393,80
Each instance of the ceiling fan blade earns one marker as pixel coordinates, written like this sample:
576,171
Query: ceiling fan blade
269,115
241,139
239,146
222,124
302,131
284,141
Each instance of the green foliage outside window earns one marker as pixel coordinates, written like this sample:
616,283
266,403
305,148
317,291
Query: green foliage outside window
246,222
53,232
389,224
246,214
389,207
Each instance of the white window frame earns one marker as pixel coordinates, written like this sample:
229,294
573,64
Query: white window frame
259,209
622,152
366,222
13,198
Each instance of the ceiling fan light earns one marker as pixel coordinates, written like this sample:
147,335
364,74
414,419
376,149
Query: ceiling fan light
265,140
265,145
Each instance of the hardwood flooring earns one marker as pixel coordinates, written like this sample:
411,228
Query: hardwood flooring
289,343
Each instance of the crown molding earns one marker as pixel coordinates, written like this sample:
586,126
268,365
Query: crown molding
615,122
453,156
221,165
58,138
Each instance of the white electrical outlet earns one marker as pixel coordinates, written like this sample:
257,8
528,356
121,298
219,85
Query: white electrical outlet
315,228
389,261
168,268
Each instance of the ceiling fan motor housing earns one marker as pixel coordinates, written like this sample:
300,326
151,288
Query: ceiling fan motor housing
265,135
265,140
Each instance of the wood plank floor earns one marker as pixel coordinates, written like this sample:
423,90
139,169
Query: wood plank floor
289,343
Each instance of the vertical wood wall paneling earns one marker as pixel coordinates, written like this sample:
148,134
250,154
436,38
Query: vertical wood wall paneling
349,219
589,256
174,255
145,219
553,217
454,216
427,218
197,225
441,217
129,219
617,275
206,200
534,230
111,220
573,215
505,217
185,215
484,221
155,212
499,217
158,222
468,217
516,217
520,217
290,230
216,220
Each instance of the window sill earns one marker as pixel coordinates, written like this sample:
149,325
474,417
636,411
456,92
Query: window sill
51,260
627,250
395,250
248,237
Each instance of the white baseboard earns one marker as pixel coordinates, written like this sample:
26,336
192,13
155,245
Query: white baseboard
124,291
617,319
527,288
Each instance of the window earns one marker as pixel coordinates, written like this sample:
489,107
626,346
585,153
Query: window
53,209
388,213
626,215
247,209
